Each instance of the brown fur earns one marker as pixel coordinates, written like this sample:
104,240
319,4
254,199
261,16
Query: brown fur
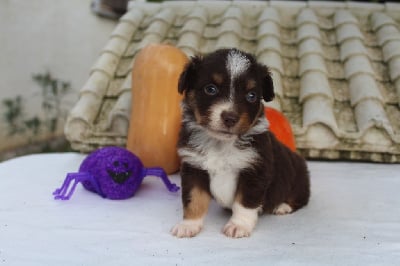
277,176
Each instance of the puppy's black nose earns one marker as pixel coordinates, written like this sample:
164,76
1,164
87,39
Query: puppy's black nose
229,118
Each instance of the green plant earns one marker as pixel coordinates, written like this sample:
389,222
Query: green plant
13,115
52,93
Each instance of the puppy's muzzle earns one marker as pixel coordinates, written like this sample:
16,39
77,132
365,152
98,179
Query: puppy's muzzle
229,118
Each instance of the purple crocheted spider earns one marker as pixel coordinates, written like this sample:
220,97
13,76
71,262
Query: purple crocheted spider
111,172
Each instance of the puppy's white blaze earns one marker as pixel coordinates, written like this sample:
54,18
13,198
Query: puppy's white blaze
236,64
242,222
215,114
187,228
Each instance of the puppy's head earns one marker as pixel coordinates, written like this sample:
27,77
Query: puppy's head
223,91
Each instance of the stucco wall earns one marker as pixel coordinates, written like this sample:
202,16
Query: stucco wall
60,37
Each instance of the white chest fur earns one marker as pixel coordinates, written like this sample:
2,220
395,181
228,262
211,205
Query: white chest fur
223,161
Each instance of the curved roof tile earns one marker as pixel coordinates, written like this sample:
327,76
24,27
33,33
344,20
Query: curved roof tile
97,84
314,83
308,30
343,16
363,87
116,46
134,16
273,60
335,67
394,68
118,119
348,31
371,114
312,62
269,28
270,43
357,64
306,15
379,19
269,14
124,30
310,46
322,116
352,47
387,33
391,49
106,63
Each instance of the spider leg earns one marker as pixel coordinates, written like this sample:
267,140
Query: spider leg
64,187
66,190
159,172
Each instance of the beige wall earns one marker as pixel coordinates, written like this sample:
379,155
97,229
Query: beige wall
62,37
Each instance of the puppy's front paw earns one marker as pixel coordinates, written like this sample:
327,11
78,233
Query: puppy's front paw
187,228
236,231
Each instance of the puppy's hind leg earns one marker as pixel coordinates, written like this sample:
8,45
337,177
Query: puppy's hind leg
283,209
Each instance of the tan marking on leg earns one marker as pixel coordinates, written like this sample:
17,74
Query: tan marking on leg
198,206
193,214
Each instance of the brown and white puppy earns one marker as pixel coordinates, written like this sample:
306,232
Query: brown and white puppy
226,149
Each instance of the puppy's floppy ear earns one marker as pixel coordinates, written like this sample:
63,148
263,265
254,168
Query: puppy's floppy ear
267,83
189,74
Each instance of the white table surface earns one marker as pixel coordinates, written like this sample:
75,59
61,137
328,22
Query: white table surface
353,218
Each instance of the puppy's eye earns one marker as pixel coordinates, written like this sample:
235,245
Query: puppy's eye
211,90
251,97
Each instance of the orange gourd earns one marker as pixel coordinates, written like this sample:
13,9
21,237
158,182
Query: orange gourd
280,126
155,113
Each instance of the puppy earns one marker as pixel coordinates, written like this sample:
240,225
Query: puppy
226,150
